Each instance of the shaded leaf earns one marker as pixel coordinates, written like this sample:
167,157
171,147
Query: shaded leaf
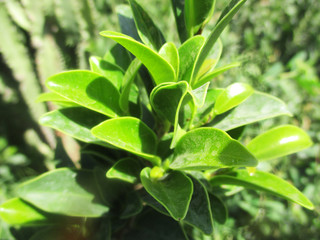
279,141
132,205
178,10
205,148
263,181
218,209
126,170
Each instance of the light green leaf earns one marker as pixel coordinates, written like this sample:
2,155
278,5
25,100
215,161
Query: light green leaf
108,70
206,148
199,95
126,169
199,212
18,212
75,122
55,98
127,84
279,141
64,191
188,53
197,13
159,68
147,30
178,10
263,181
259,106
173,191
129,134
224,20
88,89
170,53
232,96
209,76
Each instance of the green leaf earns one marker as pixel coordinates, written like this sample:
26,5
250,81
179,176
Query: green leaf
173,191
218,209
206,148
178,10
55,98
88,89
259,106
188,53
132,205
199,95
64,191
118,56
17,212
209,76
129,134
126,169
75,122
263,181
199,213
147,30
126,21
232,96
278,142
224,20
197,13
159,68
170,53
128,80
166,99
108,70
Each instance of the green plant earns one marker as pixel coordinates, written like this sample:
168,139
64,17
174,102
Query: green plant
160,147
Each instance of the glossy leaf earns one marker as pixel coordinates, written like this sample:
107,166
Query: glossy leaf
197,13
209,76
127,84
224,20
166,99
199,213
232,96
108,70
88,89
173,191
206,148
64,191
259,106
170,53
147,30
188,53
161,72
125,169
263,181
53,97
178,10
75,122
278,142
129,134
17,212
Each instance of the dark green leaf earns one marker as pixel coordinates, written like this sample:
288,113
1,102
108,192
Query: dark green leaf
64,191
263,181
126,21
118,56
130,134
206,148
173,191
132,205
218,209
178,10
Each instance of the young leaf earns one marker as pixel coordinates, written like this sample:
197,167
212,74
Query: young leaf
75,122
170,53
159,68
199,213
18,212
224,20
88,89
263,181
278,142
197,13
108,70
178,10
232,96
188,53
173,191
129,134
64,191
205,148
259,106
125,169
147,30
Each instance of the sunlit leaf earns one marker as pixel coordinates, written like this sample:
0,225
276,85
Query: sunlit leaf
169,52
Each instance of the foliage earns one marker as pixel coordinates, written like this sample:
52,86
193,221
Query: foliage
158,144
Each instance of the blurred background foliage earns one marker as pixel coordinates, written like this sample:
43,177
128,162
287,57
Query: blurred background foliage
278,43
